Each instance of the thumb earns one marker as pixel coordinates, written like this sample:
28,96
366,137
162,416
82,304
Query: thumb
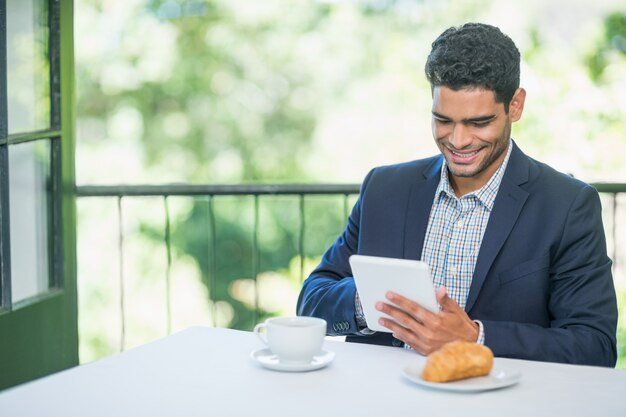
444,301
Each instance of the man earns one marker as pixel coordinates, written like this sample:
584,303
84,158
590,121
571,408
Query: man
516,249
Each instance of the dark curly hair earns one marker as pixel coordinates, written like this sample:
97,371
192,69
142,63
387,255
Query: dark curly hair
475,55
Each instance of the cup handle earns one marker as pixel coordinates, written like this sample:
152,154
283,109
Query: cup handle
257,330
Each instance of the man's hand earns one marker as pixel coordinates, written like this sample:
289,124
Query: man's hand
423,330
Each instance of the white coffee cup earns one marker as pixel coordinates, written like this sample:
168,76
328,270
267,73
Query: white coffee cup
293,339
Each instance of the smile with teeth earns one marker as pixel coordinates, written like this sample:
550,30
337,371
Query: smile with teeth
463,155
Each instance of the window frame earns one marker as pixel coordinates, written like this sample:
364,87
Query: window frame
53,134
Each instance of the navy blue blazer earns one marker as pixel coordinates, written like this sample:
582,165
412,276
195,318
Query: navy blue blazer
542,285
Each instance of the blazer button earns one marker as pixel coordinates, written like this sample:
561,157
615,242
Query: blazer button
397,343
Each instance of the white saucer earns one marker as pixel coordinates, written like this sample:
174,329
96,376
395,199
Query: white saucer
266,358
498,378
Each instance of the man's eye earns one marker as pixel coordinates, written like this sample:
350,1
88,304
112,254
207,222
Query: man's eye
480,124
443,122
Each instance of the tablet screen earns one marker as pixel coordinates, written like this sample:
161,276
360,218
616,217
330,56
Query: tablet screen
374,276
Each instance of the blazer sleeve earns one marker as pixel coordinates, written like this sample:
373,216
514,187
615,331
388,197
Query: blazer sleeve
582,303
329,292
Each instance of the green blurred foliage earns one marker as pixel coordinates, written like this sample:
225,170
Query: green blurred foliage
231,92
612,42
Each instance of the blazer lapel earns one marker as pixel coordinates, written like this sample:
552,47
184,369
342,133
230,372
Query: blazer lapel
418,210
506,209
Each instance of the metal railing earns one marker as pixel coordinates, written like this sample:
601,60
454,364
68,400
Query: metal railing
211,193
257,192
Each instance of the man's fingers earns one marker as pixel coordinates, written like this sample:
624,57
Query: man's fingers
422,329
397,314
441,293
444,301
418,312
406,335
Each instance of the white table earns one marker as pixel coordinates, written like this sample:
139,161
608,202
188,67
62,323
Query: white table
204,371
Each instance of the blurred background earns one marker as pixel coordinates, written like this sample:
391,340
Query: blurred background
294,91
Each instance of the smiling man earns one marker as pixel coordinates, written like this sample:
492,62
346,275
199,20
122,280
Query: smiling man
516,249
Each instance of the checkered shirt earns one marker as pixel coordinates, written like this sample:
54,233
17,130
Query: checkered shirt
455,232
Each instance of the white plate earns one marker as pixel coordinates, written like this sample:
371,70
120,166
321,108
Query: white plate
269,360
498,378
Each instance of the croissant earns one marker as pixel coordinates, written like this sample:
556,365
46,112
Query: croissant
458,360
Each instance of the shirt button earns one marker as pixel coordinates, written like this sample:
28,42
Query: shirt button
452,270
460,223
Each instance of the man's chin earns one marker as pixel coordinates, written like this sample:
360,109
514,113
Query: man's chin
464,174
463,171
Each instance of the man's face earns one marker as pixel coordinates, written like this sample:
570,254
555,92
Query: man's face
472,132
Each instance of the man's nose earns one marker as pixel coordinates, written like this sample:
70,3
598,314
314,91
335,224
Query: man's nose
461,136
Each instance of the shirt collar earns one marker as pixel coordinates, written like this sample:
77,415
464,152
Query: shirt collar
486,194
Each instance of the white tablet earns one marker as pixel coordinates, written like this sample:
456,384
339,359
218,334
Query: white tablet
374,276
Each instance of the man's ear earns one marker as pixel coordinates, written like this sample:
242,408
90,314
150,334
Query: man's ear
516,106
